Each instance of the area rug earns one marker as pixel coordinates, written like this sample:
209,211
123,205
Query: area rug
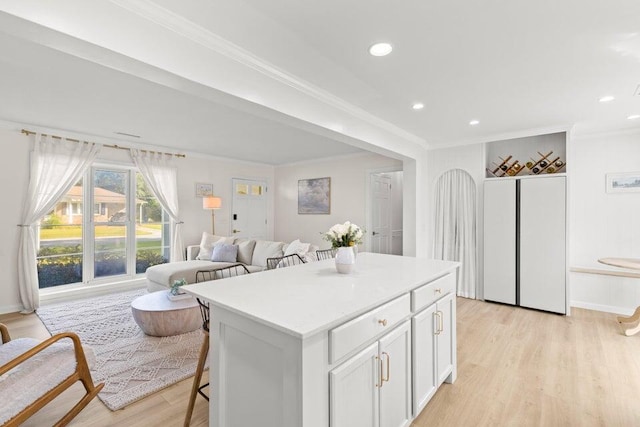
131,364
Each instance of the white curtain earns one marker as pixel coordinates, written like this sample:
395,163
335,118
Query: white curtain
56,165
455,232
161,176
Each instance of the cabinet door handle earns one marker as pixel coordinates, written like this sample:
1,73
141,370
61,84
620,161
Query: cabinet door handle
436,315
383,322
381,377
440,322
388,367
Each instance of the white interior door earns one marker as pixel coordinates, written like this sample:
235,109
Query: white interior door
249,209
381,213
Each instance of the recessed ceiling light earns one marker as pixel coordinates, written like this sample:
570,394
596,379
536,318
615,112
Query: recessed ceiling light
634,116
607,98
474,122
380,49
418,106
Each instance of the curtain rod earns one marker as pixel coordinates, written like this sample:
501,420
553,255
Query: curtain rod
28,132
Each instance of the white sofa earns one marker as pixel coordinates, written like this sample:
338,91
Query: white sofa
252,253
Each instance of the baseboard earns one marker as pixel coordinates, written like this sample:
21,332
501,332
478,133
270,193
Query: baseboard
15,308
601,307
90,291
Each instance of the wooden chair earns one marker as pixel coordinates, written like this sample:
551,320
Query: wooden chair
205,276
326,254
46,363
284,261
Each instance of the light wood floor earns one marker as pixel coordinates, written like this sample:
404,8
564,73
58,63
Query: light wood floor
516,367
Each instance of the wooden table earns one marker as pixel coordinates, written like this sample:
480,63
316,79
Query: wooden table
160,317
634,264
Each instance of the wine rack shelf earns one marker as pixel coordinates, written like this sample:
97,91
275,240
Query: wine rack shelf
535,155
511,167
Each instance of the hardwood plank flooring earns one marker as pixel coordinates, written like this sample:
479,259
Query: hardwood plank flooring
516,367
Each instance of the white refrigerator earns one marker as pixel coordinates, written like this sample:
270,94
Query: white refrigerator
525,242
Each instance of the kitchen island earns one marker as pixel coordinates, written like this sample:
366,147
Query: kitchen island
306,346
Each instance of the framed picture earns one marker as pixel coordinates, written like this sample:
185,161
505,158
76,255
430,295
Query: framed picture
623,182
204,190
314,196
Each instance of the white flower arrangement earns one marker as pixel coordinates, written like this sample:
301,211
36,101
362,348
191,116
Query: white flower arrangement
346,234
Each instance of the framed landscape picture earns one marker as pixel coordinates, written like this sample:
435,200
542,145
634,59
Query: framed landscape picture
314,196
623,182
204,190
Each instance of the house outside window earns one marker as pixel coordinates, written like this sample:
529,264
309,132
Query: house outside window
124,231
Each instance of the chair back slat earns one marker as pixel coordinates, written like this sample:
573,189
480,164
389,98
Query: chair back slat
326,254
284,261
216,274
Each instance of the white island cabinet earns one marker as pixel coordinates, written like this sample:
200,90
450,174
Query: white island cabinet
305,346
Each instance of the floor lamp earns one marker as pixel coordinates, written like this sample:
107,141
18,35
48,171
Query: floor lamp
212,203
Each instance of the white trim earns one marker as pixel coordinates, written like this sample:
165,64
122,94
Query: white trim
601,307
12,308
500,137
190,30
328,159
594,135
57,295
17,127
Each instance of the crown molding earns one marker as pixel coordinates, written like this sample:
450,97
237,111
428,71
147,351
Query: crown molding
190,30
503,136
576,136
17,127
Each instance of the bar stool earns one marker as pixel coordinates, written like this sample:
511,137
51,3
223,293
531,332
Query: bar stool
326,254
284,261
203,276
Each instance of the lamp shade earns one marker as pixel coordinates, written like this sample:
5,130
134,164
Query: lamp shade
211,202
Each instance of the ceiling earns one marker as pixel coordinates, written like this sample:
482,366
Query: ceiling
519,67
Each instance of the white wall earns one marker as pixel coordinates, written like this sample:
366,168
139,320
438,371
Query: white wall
396,212
219,173
349,175
14,167
603,224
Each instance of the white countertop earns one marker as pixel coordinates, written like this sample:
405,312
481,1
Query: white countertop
306,299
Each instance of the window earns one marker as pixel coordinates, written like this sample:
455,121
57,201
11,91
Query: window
125,232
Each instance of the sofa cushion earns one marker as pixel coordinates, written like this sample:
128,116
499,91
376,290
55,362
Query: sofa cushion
311,256
224,253
255,268
265,249
207,242
296,247
245,250
166,274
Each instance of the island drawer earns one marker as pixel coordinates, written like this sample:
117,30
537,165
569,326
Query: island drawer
431,292
349,336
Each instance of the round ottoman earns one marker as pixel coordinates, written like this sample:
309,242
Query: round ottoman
160,317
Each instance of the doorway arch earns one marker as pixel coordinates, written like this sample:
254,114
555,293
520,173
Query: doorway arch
455,227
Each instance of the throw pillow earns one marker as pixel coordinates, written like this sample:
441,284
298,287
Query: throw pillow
297,247
224,253
245,250
265,249
207,242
